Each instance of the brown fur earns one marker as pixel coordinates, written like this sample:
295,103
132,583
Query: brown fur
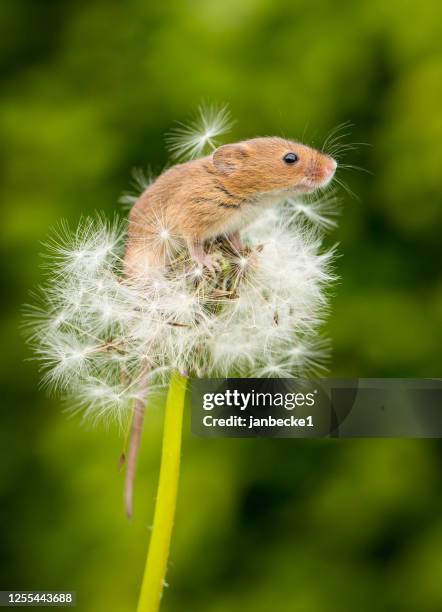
218,194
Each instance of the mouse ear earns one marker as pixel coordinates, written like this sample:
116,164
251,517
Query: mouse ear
228,157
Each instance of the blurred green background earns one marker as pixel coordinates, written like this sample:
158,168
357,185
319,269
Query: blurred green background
88,91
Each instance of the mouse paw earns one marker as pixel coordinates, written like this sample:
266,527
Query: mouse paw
236,242
204,260
207,261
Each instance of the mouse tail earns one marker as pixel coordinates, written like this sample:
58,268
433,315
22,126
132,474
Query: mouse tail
134,444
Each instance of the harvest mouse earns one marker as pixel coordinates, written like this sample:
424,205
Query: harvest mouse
218,195
203,199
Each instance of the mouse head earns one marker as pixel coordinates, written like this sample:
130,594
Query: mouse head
264,165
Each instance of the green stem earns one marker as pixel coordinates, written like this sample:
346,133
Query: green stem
156,562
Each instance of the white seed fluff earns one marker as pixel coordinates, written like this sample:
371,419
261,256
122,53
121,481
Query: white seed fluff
258,317
200,136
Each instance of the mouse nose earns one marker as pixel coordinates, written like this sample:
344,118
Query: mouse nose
332,164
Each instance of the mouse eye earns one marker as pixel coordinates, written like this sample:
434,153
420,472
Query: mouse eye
290,158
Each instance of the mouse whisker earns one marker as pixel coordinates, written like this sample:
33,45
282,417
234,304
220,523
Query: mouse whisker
336,134
354,167
350,145
346,188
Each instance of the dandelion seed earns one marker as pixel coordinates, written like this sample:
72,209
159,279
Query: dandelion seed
201,135
156,232
84,250
310,356
140,182
321,212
